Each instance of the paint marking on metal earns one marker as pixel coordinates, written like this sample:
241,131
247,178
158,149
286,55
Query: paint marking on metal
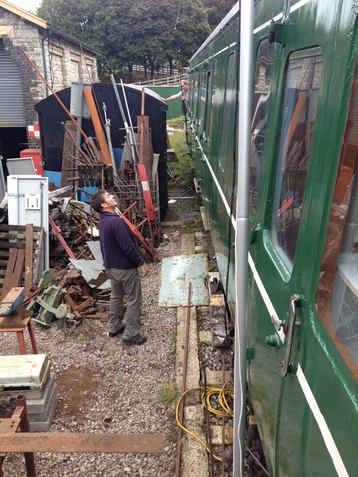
226,205
265,296
322,424
280,15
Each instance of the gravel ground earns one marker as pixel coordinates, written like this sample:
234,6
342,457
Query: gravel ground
105,386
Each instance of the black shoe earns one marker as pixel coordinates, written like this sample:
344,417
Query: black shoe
121,329
137,340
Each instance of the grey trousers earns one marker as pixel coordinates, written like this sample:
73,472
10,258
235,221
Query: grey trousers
125,282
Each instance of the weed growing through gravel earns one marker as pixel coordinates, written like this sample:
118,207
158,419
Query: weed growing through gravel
169,393
112,352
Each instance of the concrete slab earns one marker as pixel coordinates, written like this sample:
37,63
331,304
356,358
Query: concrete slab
39,409
214,378
217,435
192,373
187,244
194,456
205,219
176,273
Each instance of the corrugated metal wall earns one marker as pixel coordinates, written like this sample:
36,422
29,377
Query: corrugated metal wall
175,108
12,112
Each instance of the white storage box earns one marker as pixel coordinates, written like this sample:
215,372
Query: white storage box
24,374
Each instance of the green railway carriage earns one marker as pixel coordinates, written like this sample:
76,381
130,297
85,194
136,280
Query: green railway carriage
302,313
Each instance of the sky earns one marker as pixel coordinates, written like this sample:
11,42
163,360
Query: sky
28,5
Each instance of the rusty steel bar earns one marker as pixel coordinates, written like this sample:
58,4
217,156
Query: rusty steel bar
81,442
183,386
95,150
207,416
10,427
96,121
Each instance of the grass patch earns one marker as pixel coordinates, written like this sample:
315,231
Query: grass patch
111,353
169,393
181,170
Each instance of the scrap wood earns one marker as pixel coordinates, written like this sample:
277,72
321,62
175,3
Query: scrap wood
29,257
72,305
102,317
33,294
14,271
57,231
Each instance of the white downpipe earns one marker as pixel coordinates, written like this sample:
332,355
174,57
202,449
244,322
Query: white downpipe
242,226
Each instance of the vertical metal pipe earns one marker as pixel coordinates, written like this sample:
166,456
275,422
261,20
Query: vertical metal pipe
242,225
129,115
44,59
131,139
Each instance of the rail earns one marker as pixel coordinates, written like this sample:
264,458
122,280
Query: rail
167,81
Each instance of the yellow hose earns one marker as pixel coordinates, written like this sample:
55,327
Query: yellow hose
223,393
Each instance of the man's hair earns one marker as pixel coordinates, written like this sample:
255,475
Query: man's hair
184,82
97,200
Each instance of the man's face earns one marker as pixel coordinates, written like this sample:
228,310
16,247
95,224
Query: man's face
108,201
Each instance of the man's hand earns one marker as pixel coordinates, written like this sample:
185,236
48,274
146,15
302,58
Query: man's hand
144,269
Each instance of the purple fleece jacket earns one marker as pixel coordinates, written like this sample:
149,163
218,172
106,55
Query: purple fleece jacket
118,245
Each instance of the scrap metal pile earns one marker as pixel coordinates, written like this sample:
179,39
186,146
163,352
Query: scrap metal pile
75,284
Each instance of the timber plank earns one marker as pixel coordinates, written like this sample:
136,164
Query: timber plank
14,271
29,258
14,237
81,442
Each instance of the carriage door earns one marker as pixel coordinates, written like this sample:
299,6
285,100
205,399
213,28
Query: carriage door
277,206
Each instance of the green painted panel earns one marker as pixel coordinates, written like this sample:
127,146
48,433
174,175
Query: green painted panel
175,107
176,274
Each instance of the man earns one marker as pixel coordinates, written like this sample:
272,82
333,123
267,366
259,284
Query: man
183,94
121,261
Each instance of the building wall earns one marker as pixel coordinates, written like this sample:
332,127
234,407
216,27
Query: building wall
64,61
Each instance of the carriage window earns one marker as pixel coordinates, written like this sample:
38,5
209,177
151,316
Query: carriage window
337,293
298,116
213,103
228,108
203,89
194,92
264,66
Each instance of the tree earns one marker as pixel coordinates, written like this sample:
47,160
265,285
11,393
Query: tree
148,32
190,30
217,10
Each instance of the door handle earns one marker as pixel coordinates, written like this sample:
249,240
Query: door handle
295,299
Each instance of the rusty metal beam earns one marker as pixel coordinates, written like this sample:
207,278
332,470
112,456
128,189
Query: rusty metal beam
81,442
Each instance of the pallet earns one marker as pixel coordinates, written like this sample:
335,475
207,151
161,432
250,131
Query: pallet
20,256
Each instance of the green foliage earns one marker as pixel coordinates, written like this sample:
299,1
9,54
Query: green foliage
111,353
217,10
149,32
181,169
169,393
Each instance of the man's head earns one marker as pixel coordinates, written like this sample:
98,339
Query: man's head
184,85
103,201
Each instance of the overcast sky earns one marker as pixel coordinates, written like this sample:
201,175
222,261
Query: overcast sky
28,5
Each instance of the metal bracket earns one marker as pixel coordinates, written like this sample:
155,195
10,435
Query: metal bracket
285,364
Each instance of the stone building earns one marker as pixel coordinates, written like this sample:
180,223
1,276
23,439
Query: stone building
59,58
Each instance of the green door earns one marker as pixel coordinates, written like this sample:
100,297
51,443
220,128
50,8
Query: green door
301,372
279,320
